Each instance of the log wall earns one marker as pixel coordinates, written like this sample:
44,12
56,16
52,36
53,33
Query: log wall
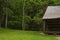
52,25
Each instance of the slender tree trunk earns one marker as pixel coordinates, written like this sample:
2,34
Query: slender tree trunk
0,23
0,18
6,19
0,14
23,24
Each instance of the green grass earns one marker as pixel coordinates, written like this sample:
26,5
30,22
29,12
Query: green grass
8,34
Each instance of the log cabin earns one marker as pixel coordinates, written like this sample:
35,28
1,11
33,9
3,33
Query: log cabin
51,20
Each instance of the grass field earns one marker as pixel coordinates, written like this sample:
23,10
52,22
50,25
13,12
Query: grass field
8,34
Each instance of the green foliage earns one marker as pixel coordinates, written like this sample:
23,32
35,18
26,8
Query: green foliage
27,19
34,10
37,20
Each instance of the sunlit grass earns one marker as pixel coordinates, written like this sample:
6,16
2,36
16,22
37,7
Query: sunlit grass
8,34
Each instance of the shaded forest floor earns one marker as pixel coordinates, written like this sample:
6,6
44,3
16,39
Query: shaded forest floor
9,34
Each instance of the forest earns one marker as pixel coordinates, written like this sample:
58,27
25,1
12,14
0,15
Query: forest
24,14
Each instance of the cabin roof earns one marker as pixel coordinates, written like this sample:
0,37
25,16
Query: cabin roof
52,12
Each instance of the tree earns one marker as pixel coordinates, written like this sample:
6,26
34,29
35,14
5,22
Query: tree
1,11
23,24
6,12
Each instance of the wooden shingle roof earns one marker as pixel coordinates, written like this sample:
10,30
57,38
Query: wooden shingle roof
52,12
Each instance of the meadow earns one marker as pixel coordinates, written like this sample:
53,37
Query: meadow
9,34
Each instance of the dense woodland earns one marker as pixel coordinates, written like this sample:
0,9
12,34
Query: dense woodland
24,14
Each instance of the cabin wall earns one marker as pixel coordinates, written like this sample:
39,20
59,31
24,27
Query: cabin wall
52,25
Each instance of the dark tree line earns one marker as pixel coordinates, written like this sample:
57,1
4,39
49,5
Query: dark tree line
24,14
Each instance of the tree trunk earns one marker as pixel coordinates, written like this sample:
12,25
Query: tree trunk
6,19
0,23
0,18
23,24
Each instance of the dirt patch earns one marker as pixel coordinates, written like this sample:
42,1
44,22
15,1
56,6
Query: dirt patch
58,37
